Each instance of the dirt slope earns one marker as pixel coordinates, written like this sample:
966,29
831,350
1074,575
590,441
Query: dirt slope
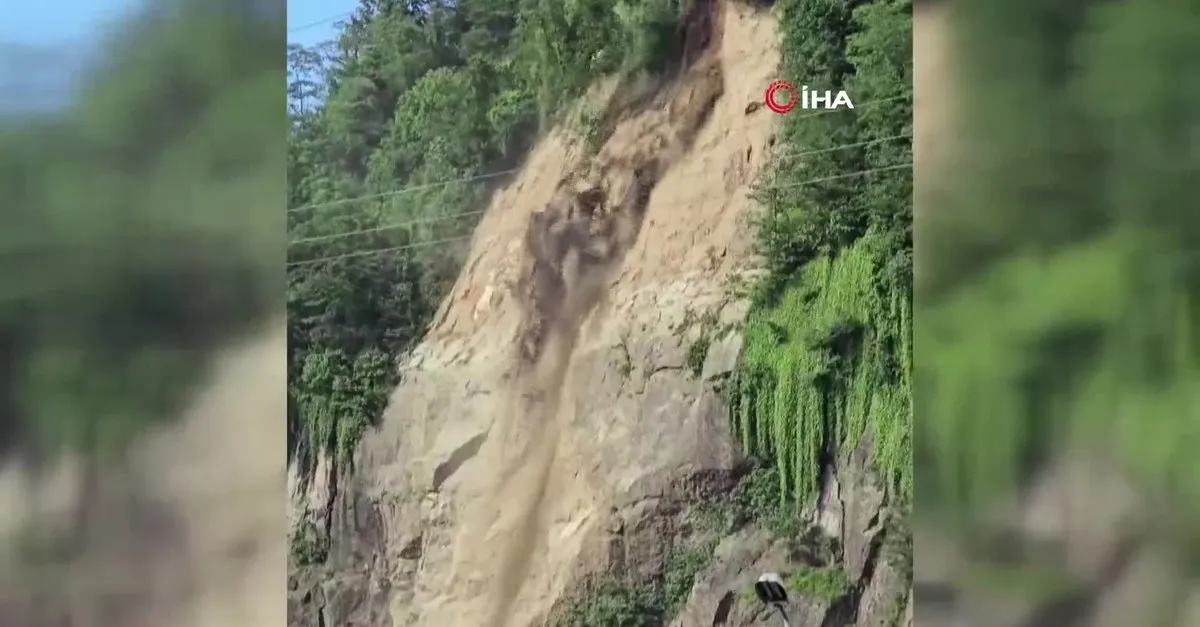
552,397
538,498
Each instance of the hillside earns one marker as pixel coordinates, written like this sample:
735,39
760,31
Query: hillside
674,355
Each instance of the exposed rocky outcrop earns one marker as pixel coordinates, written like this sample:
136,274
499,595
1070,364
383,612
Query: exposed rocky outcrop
877,590
563,421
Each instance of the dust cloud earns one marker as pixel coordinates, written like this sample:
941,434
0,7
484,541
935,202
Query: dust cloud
573,251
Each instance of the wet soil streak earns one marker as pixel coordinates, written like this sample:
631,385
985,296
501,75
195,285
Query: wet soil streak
575,246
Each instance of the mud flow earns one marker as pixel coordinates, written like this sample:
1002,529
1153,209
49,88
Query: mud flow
573,248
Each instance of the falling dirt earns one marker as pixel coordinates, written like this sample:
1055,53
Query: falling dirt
573,248
563,248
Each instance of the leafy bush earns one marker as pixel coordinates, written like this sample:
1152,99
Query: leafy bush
827,353
826,584
615,604
308,545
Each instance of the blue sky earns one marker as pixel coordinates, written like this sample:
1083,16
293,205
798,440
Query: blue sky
55,29
55,24
44,44
313,21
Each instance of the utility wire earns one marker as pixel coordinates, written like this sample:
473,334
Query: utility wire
392,249
388,227
453,216
405,190
319,22
481,177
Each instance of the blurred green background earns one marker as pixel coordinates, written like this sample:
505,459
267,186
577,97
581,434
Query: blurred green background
140,223
1059,305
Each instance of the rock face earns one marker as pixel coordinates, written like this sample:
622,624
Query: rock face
877,593
562,419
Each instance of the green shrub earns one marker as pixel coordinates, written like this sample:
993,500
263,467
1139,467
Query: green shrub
827,353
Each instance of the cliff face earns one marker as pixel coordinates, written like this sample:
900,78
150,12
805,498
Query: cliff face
562,421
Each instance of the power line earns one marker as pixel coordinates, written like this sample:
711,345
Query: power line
361,253
482,177
405,190
413,223
898,166
388,227
321,22
818,151
393,249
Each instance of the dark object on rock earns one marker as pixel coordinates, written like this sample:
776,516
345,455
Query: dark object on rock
770,591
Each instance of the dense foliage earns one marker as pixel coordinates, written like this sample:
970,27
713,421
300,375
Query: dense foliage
828,350
398,129
137,226
1061,304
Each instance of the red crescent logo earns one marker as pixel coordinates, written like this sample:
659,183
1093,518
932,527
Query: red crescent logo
772,97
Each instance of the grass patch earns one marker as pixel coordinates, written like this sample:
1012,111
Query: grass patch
824,584
697,354
308,546
706,328
756,499
591,125
683,567
616,603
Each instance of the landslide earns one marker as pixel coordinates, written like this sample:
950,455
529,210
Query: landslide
552,395
560,448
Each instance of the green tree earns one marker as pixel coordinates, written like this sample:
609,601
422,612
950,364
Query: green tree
827,357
